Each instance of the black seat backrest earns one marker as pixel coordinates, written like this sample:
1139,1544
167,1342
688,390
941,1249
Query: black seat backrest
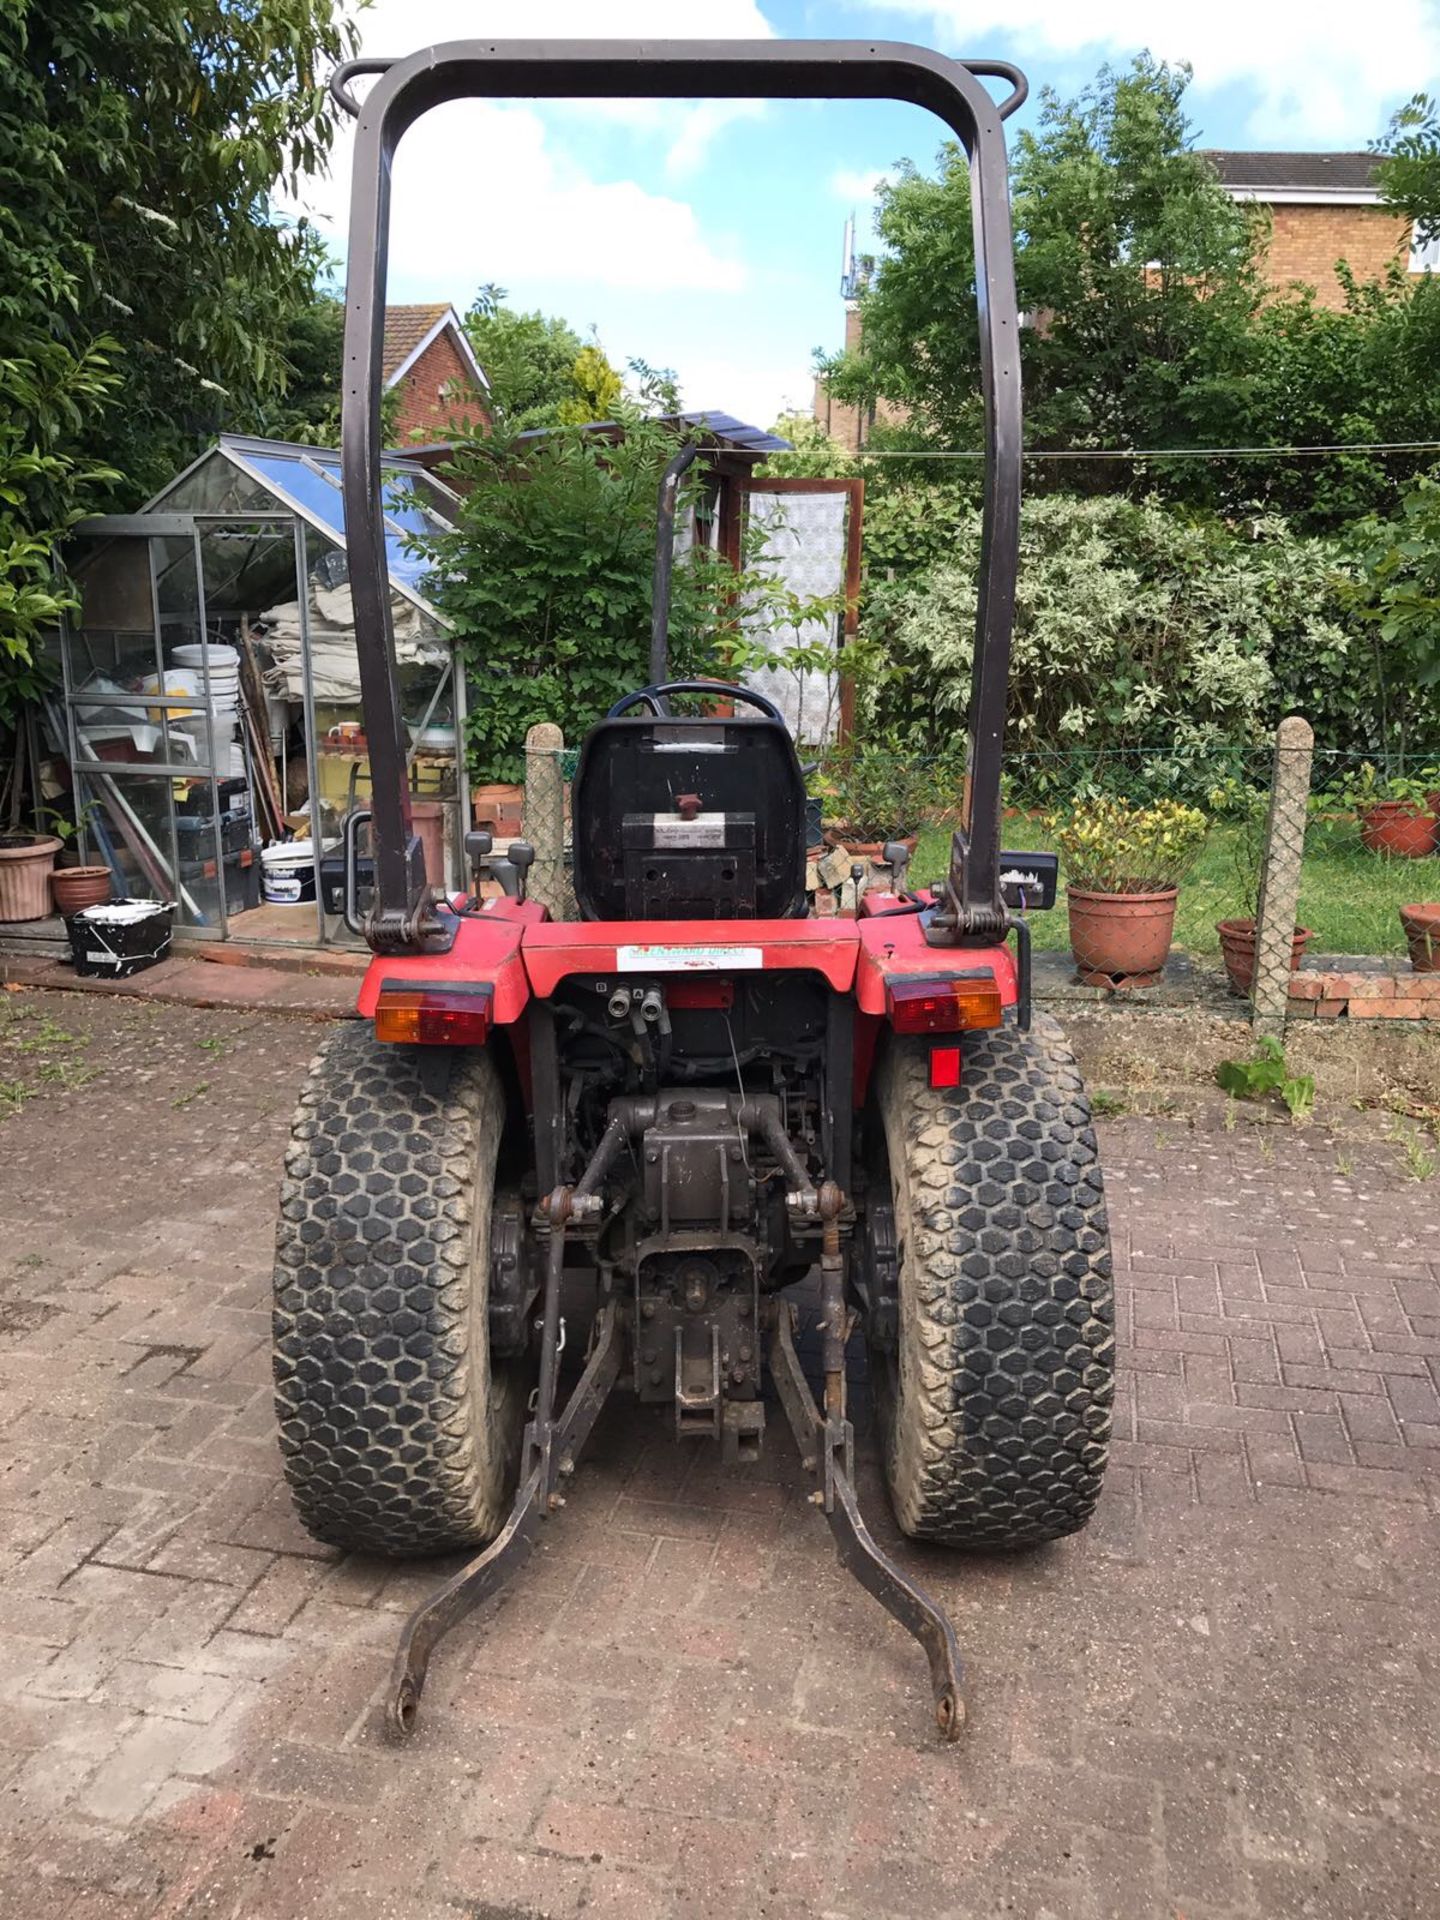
689,819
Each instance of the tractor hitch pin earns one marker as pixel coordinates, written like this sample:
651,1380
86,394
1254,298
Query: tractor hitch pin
550,1448
826,1444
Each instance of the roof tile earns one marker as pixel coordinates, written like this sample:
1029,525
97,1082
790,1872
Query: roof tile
405,328
1342,172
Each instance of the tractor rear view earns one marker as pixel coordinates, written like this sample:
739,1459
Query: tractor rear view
556,1159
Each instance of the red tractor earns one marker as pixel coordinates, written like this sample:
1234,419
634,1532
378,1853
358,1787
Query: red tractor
626,1139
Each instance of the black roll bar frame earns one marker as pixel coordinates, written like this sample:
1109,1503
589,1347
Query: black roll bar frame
404,917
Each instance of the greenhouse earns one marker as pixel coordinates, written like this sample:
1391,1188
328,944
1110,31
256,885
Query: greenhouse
211,710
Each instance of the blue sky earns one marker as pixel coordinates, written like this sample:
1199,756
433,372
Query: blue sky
707,236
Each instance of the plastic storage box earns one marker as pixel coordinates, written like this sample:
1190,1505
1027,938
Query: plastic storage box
120,937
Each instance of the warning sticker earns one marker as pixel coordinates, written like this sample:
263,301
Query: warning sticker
705,830
688,959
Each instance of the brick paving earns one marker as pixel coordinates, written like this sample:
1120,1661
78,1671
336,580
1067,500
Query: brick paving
1218,1702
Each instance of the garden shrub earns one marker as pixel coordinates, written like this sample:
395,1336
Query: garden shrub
546,581
1150,647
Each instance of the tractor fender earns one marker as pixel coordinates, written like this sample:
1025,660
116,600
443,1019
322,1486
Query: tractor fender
486,949
894,943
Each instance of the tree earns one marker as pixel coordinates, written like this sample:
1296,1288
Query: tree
140,254
308,411
1367,374
546,579
1137,271
598,388
547,574
1408,172
541,372
813,454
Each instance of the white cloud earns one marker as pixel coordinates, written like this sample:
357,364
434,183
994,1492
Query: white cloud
754,388
686,129
483,192
1321,71
855,186
489,190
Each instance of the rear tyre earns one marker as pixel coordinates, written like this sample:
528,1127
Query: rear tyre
397,1433
993,1388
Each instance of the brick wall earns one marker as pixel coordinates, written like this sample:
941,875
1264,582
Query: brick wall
1306,241
425,407
851,426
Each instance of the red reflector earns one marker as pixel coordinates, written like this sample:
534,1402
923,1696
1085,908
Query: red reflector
951,1005
451,1016
945,1066
715,995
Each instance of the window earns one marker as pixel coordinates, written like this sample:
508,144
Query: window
1424,254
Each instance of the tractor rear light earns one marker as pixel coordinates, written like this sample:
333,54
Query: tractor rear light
945,1066
955,1004
455,1015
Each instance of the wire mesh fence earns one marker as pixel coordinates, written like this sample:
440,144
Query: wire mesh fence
1358,866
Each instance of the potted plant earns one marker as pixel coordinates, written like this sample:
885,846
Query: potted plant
871,796
26,860
1422,935
73,886
1237,936
1396,812
1123,867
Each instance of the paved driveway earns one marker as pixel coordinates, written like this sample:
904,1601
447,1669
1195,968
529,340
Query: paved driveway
1220,1701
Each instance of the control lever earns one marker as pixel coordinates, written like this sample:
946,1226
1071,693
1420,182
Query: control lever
478,848
522,858
896,855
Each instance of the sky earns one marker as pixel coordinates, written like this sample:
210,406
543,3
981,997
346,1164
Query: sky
707,236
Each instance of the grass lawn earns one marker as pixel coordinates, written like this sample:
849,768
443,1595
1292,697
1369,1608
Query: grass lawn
1348,897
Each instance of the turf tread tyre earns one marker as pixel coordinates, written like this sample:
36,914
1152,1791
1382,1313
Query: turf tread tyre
995,1413
396,1434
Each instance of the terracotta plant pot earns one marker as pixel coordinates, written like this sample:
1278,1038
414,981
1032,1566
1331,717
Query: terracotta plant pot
838,835
1404,828
77,887
25,863
1121,939
1237,948
1422,935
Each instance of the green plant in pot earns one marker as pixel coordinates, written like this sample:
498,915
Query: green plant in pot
1250,810
1396,812
1123,868
871,795
72,885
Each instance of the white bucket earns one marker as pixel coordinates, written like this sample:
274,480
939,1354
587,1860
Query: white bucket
288,872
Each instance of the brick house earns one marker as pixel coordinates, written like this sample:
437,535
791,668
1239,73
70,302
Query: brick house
1323,207
852,426
429,360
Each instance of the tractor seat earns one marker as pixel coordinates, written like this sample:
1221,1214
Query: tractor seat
689,819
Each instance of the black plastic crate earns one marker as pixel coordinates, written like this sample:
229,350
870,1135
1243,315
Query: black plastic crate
195,835
242,880
106,948
332,882
233,797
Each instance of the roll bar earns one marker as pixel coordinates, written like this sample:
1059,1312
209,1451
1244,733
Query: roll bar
403,917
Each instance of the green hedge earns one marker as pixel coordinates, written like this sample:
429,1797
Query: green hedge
1142,635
